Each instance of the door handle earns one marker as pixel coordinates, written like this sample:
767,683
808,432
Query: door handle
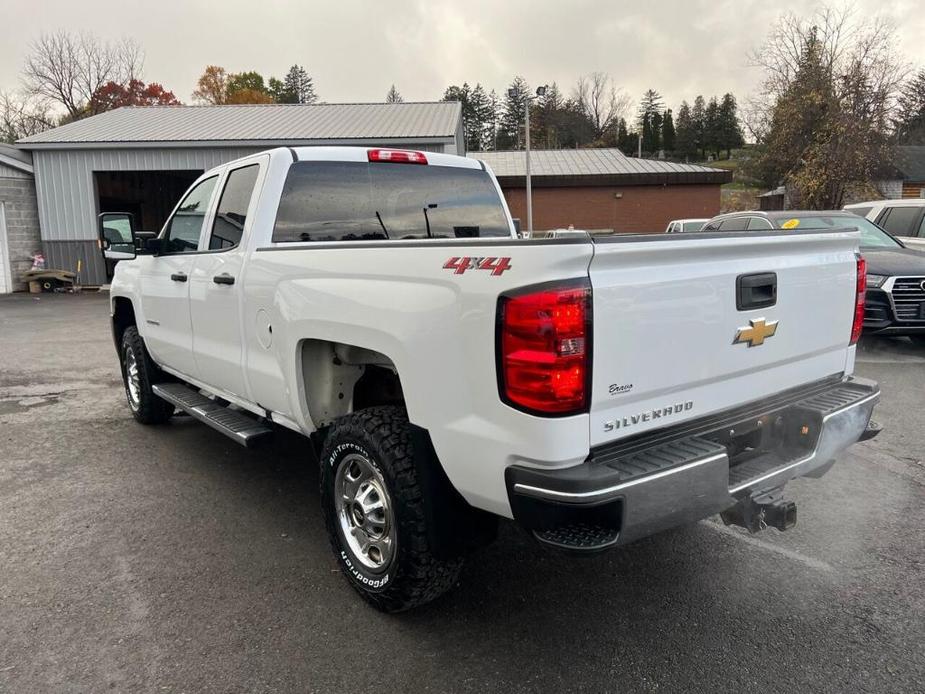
758,290
178,277
223,278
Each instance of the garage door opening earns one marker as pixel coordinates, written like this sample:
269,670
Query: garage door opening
149,195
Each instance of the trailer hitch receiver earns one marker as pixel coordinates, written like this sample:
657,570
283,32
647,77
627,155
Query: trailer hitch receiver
755,513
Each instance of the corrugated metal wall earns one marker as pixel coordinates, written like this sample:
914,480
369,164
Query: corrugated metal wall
65,186
63,255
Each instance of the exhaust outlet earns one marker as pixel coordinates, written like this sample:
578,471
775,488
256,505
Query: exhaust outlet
756,513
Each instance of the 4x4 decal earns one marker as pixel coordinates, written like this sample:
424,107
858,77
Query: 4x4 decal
460,265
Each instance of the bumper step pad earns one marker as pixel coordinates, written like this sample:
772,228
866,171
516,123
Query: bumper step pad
581,537
238,426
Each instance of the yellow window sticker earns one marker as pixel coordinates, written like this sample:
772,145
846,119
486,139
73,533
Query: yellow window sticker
790,224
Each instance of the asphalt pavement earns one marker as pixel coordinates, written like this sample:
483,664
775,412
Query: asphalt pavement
169,559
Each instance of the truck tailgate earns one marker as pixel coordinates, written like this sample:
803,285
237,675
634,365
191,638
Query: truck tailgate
666,322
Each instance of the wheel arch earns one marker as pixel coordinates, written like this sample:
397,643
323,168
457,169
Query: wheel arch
123,316
338,378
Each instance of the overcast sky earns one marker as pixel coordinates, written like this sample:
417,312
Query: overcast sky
355,49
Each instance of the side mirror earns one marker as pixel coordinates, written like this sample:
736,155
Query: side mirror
117,235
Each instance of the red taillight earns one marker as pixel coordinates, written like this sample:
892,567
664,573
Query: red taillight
544,343
861,290
397,156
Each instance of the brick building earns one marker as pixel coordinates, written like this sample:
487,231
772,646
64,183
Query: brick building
19,218
604,190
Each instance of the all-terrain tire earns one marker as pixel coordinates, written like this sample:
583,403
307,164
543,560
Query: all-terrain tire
414,575
139,373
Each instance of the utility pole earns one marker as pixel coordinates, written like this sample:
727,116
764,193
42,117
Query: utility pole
540,92
529,185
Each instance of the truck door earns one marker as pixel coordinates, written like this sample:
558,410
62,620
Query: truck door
165,285
216,287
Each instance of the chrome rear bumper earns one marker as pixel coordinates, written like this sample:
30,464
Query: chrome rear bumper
673,477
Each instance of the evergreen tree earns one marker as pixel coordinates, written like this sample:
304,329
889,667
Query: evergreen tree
278,91
476,112
491,126
546,120
711,128
729,130
482,114
298,87
646,134
513,115
699,117
650,103
392,96
626,140
656,126
668,132
685,133
910,126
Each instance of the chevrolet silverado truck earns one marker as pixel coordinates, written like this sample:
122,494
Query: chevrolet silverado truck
594,390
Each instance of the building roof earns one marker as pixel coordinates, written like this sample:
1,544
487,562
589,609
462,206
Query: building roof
594,167
254,123
910,162
15,158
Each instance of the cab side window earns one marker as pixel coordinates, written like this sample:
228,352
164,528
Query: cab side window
232,208
734,224
899,220
758,223
183,229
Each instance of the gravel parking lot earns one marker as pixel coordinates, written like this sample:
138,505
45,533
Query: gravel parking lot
168,559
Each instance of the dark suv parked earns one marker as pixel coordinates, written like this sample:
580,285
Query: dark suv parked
895,302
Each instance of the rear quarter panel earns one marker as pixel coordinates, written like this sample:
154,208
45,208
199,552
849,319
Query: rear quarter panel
437,327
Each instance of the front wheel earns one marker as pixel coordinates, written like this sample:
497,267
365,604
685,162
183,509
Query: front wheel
374,511
138,372
918,340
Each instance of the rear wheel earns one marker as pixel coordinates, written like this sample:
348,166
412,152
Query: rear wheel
374,511
138,375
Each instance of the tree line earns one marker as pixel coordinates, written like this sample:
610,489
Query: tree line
594,115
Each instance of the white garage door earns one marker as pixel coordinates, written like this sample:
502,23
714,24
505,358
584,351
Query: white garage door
6,275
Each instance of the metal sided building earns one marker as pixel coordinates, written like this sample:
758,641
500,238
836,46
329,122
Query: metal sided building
142,159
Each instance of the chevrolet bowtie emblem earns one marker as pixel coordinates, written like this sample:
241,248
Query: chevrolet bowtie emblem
756,333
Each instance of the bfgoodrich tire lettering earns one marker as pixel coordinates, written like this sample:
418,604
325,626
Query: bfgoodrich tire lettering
392,502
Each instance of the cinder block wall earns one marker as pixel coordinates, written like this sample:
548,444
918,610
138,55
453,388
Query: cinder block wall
22,224
629,209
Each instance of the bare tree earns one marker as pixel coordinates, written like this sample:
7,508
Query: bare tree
844,45
823,115
21,117
68,68
600,100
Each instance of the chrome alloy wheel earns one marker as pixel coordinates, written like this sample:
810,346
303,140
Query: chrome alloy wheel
132,382
364,511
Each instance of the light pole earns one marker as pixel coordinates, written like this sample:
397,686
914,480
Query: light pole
540,92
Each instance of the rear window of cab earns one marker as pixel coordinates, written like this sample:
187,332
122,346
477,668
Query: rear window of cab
359,201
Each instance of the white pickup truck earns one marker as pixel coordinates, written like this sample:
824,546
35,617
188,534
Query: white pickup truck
595,390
